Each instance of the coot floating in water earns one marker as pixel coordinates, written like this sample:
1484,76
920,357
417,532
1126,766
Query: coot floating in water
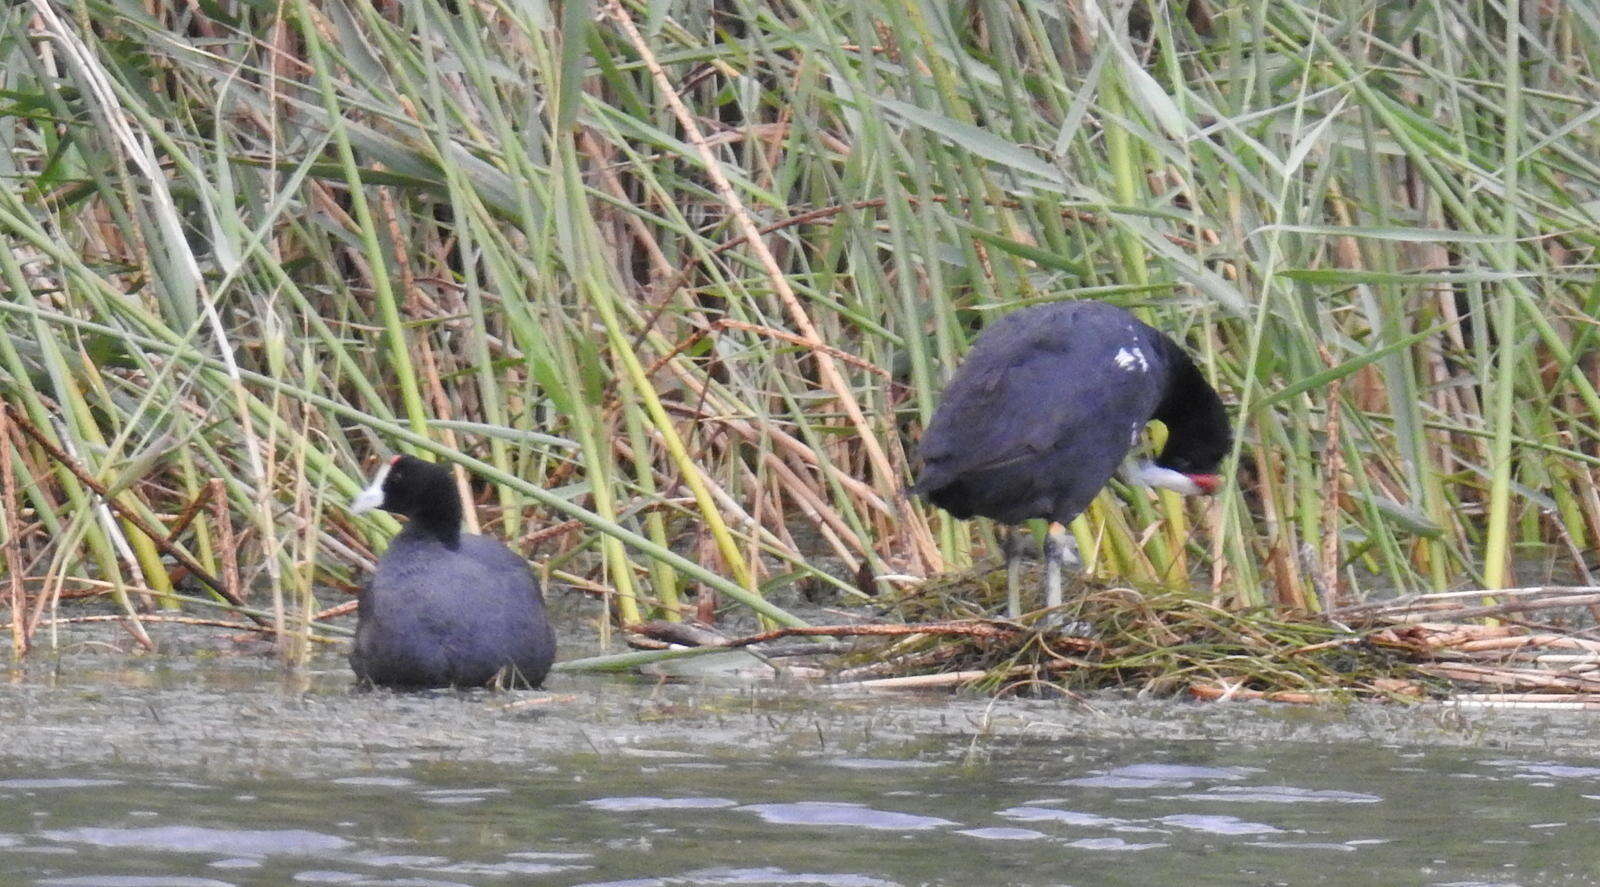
445,608
1044,408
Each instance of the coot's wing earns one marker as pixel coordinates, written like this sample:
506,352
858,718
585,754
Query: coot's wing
502,611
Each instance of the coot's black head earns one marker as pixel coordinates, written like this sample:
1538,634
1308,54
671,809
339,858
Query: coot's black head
1198,453
421,491
1199,435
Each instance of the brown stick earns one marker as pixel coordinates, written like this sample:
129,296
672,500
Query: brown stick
1332,467
10,507
188,514
229,543
529,540
156,536
336,610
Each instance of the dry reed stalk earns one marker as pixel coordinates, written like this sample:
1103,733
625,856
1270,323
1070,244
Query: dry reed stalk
1514,600
188,514
924,662
791,445
1513,678
529,540
1327,578
916,528
176,620
1564,659
10,509
539,701
936,681
229,544
1528,640
601,154
156,536
91,587
966,628
336,610
727,323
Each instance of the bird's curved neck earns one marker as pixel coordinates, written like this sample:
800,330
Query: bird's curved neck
1194,414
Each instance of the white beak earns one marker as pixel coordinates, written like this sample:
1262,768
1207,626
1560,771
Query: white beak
1152,475
372,496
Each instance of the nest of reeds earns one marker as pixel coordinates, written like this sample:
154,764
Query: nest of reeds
1473,648
1145,640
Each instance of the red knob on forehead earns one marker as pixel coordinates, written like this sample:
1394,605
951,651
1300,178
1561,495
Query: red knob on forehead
393,459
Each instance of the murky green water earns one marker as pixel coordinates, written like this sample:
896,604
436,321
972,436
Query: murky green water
181,773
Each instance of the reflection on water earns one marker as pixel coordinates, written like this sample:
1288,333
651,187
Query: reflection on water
1030,813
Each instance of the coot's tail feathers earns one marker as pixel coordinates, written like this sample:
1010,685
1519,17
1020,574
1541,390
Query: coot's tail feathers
1008,491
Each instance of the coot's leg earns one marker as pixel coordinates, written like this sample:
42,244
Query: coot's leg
1060,549
1012,546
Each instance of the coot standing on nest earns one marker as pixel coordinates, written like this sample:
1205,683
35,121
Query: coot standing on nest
1044,408
445,608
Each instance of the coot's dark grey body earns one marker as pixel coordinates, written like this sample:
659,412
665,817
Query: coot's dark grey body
1045,407
1049,402
433,617
445,608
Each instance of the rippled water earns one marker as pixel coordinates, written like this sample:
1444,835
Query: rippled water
1024,813
186,771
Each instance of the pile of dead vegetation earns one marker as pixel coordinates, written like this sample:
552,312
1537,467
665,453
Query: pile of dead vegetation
1515,647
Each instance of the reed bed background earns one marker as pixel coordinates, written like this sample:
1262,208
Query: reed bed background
683,279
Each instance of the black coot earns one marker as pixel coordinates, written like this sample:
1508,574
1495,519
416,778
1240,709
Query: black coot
445,608
1046,406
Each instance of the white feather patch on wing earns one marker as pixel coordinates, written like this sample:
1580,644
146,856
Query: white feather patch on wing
1152,475
1132,359
372,496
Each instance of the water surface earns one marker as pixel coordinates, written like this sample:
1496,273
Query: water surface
186,772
